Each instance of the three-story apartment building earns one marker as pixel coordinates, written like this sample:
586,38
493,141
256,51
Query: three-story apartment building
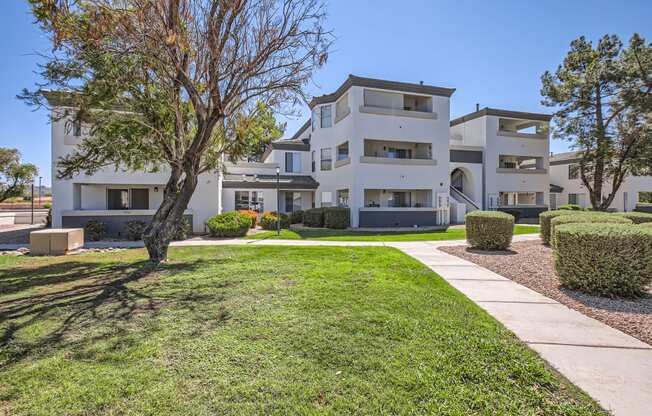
387,150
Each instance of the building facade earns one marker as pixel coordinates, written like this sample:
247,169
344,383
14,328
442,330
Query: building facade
635,191
387,150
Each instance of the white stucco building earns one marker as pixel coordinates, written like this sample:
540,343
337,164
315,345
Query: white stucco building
569,189
387,150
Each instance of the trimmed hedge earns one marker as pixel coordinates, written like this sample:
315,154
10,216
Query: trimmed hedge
594,217
636,217
489,230
252,215
546,217
570,207
296,217
604,259
338,218
268,221
229,224
514,213
313,217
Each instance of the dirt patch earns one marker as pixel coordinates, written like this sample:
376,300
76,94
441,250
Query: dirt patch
530,263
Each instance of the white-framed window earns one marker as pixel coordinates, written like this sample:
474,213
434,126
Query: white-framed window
326,198
342,108
573,199
249,200
326,119
343,198
292,201
127,198
343,151
292,162
326,159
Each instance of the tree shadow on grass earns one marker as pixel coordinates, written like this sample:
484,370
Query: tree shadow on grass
78,295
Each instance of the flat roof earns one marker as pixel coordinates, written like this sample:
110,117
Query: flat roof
354,80
501,113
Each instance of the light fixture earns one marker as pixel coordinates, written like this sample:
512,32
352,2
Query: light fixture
156,189
278,170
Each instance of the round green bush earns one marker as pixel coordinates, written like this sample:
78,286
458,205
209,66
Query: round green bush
604,259
489,230
636,217
546,217
228,224
95,230
594,217
268,221
296,217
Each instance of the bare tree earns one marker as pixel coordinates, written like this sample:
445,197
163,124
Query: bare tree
184,74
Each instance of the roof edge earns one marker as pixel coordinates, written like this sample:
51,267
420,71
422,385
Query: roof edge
487,111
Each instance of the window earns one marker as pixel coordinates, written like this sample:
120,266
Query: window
326,199
326,159
343,151
573,199
382,99
645,197
292,201
573,171
312,160
249,200
395,153
241,200
140,198
117,198
313,119
325,116
76,128
401,199
343,198
520,198
293,162
342,108
417,103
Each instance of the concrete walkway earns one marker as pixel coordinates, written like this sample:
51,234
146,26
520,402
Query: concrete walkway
612,367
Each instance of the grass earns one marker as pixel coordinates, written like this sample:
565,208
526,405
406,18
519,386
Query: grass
326,234
259,330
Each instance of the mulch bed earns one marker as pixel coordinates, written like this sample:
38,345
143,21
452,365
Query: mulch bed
530,263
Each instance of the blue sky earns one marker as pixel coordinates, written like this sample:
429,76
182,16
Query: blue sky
493,53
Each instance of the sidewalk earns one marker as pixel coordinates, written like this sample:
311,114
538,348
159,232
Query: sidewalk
612,367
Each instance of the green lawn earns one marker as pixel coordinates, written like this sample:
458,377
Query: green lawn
349,235
259,330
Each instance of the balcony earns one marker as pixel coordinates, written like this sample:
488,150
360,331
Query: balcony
398,199
397,153
522,128
395,104
520,164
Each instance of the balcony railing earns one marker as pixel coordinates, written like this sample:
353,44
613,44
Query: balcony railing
397,161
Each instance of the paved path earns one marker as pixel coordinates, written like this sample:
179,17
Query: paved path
612,367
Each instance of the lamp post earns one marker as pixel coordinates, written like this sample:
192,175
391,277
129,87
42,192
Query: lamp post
278,203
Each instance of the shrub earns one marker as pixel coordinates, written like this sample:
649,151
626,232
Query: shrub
570,207
268,221
47,205
183,230
228,224
489,230
604,259
546,217
313,217
252,215
135,229
95,230
636,217
337,218
296,217
600,218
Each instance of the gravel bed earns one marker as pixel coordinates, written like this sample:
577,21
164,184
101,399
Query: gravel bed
530,263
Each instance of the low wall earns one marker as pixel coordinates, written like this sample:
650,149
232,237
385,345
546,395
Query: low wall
115,226
23,217
390,218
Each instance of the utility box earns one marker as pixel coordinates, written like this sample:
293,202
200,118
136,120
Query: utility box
55,241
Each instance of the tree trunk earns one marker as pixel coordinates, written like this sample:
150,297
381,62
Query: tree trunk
169,216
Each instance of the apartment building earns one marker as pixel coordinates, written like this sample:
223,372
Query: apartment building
499,161
387,150
567,187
